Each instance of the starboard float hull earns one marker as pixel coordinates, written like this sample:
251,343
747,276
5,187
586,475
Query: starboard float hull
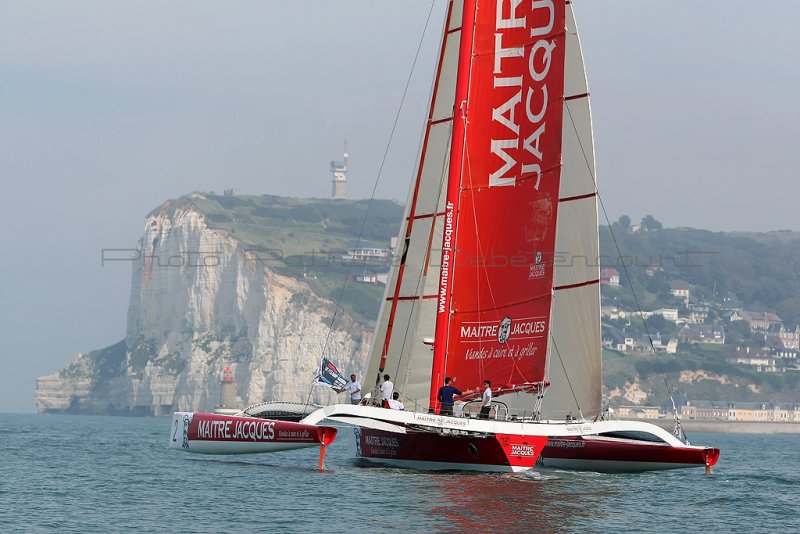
606,454
433,451
208,433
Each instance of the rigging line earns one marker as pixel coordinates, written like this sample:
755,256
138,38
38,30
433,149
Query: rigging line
619,255
310,391
380,168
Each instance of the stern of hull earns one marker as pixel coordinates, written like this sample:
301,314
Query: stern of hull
591,453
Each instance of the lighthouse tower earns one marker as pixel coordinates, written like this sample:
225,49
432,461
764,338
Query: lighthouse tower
227,390
339,170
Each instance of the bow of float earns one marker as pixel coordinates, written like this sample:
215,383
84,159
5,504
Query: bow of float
209,433
710,455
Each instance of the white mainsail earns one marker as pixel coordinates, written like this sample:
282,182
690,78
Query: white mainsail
574,365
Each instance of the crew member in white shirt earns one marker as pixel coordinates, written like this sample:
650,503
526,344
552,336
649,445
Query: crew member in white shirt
354,389
486,403
394,402
386,391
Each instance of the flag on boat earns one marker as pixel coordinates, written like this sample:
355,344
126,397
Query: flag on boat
678,430
329,375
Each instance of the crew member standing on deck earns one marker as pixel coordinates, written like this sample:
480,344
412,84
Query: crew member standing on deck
486,403
386,391
354,389
445,397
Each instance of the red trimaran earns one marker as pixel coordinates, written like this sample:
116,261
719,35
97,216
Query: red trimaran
497,276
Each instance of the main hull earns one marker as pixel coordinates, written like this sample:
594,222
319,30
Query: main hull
610,454
430,450
208,433
428,441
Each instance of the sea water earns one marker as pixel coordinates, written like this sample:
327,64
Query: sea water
115,474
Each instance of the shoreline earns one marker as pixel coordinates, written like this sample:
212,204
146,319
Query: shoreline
729,427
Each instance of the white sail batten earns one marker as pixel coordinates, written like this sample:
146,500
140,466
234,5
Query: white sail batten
407,314
574,365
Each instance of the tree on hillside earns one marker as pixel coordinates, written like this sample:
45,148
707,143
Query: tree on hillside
738,333
625,222
789,309
656,324
650,224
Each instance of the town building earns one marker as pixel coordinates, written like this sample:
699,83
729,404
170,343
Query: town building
789,336
698,313
762,364
362,251
758,321
609,277
741,411
680,289
639,412
369,277
702,333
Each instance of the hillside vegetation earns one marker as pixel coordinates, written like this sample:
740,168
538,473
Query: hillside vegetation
759,270
725,271
307,238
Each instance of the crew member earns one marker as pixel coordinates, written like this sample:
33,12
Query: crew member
386,391
354,389
394,402
486,403
445,397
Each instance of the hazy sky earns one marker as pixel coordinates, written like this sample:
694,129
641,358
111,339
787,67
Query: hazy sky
108,108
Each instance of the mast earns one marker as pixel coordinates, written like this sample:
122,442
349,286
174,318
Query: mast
448,255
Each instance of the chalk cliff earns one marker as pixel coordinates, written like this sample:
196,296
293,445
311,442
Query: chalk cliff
202,300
